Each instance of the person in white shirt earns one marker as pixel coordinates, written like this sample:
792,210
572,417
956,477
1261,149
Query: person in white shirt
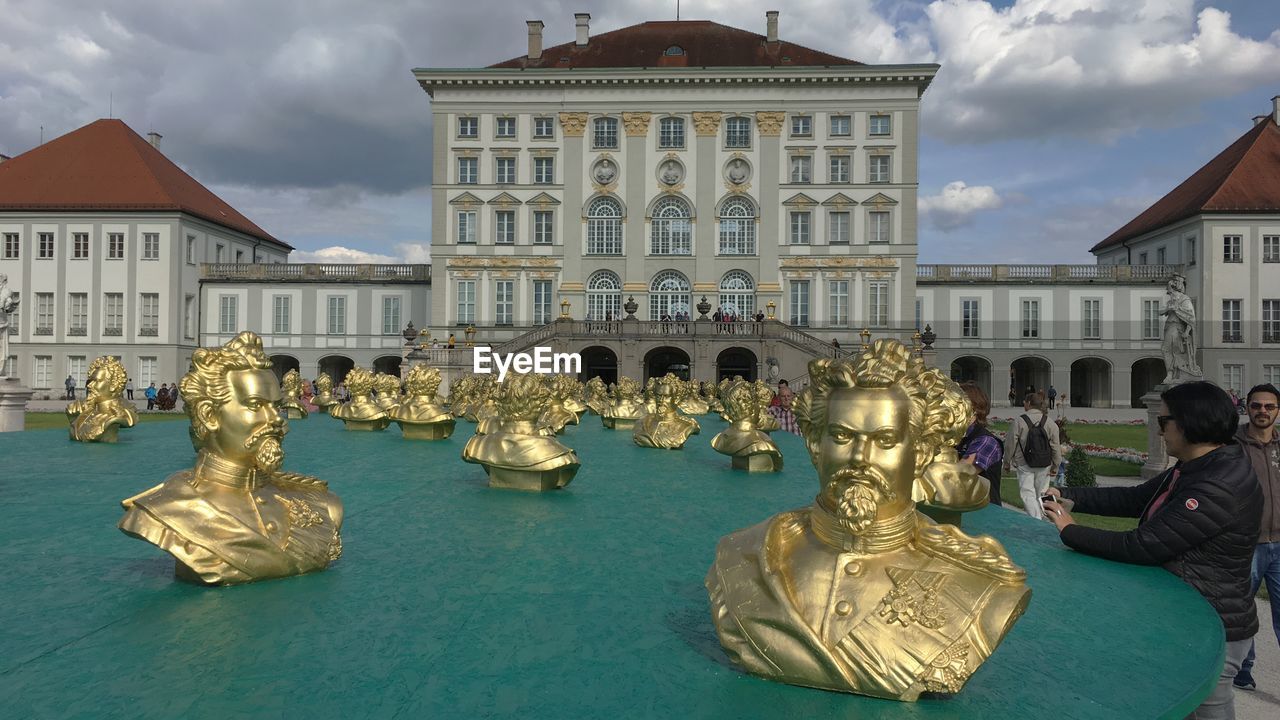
1033,478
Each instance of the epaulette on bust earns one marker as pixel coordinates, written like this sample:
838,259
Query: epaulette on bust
982,554
288,478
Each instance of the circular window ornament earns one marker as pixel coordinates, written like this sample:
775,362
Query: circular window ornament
605,171
737,171
670,172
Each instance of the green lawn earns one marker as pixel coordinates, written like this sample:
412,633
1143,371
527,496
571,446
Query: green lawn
1009,494
1115,436
47,420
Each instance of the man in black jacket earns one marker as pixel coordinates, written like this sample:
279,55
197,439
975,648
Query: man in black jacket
1199,520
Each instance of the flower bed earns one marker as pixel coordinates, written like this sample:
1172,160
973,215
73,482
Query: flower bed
1099,451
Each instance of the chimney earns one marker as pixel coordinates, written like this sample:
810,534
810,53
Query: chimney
581,23
1275,109
1259,119
153,137
771,23
535,38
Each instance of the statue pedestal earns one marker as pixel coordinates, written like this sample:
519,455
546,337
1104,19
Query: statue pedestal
367,425
759,462
13,405
619,423
294,413
530,480
426,431
1158,459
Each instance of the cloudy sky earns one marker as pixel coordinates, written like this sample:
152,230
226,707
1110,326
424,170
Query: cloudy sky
1051,123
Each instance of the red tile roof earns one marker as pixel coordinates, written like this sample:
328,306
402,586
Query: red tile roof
705,43
1243,179
107,167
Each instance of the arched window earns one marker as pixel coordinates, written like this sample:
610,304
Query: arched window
604,296
674,50
671,232
604,227
738,227
738,294
668,293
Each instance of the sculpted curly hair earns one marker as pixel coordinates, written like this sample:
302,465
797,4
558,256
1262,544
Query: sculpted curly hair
523,396
117,376
422,380
206,385
359,382
938,413
291,383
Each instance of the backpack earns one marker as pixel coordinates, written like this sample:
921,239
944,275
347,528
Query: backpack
1036,450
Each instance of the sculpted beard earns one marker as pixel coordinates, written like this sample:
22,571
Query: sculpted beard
269,453
856,493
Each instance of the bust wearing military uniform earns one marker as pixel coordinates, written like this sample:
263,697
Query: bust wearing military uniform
860,592
235,517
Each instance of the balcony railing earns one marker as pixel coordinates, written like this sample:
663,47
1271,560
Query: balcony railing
930,274
315,272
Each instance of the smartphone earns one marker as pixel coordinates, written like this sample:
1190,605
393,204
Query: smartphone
1048,498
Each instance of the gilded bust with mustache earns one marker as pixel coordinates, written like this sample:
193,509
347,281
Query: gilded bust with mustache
859,592
235,517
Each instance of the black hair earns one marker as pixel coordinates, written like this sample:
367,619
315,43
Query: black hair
1263,388
1204,412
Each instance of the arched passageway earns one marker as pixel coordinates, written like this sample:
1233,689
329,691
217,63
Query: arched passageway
336,367
599,361
975,369
389,364
663,360
281,364
1144,375
736,361
1091,383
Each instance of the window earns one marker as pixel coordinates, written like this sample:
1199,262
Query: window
838,228
1191,251
671,232
879,231
147,371
1142,258
227,314
839,171
799,302
42,370
77,369
879,169
541,302
1151,324
390,314
801,169
1231,249
115,246
604,227
840,126
1030,318
467,227
673,51
191,249
504,301
239,256
970,320
468,170
44,313
1233,377
668,294
604,296
878,303
838,302
1271,248
12,247
506,170
738,294
79,246
1271,321
113,314
281,314
78,314
468,127
44,249
466,302
189,318
737,132
738,227
150,326
220,254
1231,321
880,125
505,128
1271,374
544,127
919,314
337,315
1091,319
544,170
604,134
800,228
671,132
504,223
801,126
1160,256
151,247
543,227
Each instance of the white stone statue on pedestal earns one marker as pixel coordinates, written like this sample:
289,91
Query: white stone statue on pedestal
1179,343
8,306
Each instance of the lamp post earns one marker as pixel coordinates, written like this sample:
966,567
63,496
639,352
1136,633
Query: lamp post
470,332
770,307
917,348
866,339
564,309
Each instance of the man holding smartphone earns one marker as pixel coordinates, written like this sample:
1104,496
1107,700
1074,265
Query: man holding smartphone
1260,441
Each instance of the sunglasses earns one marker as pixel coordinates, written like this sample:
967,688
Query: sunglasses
1259,406
1162,420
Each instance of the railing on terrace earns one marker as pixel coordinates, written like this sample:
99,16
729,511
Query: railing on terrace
316,272
927,274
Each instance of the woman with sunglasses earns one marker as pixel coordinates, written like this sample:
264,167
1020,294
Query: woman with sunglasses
1199,519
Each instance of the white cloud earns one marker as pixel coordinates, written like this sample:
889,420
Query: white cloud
416,253
956,205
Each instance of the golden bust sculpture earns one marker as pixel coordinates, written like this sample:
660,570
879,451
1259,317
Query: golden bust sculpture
99,417
711,397
859,592
361,413
664,426
517,453
387,389
691,402
625,407
419,416
746,440
291,403
596,396
235,517
557,414
324,398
